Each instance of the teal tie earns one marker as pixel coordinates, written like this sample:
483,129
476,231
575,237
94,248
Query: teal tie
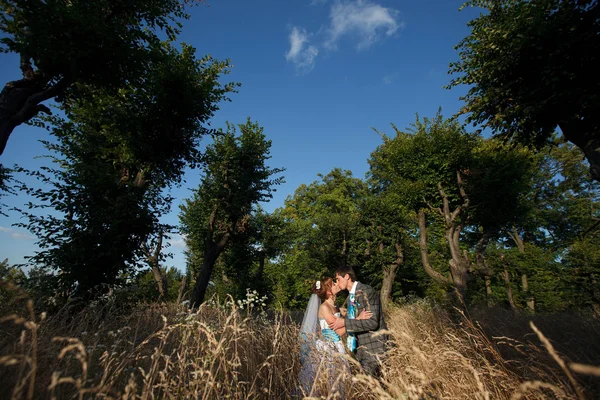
351,340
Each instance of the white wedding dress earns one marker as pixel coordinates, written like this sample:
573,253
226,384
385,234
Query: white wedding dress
321,351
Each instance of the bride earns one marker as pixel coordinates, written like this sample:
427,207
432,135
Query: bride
322,349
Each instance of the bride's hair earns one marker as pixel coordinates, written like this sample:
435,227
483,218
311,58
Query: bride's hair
322,288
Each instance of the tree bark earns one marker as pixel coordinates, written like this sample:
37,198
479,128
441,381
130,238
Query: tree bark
509,292
482,266
460,264
581,134
514,235
389,275
182,287
595,294
212,251
21,100
159,276
530,300
435,275
480,251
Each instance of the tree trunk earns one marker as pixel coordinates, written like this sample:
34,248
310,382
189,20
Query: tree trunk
509,292
595,294
460,264
514,235
389,275
159,276
488,291
482,266
581,134
211,252
530,299
182,287
208,264
20,100
435,275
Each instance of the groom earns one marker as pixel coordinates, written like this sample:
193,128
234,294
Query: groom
371,344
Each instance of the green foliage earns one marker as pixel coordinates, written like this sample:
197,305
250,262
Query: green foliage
498,181
114,154
146,289
322,228
5,179
411,164
11,277
469,188
236,178
104,43
529,66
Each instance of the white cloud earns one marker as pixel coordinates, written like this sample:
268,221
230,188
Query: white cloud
301,55
21,236
366,22
177,241
16,235
388,79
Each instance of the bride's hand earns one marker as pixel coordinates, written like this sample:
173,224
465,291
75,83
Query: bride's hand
365,314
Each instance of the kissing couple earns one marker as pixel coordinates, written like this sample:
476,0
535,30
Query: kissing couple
324,325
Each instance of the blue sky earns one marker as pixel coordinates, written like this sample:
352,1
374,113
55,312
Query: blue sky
316,74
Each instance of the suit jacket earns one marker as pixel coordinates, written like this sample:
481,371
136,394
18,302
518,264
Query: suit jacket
366,330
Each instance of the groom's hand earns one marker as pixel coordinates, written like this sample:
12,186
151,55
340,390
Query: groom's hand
337,324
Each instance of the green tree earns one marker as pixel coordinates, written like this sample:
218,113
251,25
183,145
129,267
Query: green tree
147,290
103,43
321,231
115,154
387,229
10,278
236,178
241,266
530,67
469,188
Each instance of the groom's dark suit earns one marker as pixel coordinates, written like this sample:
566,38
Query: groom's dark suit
371,343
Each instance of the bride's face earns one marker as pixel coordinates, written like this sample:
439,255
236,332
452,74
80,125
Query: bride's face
335,289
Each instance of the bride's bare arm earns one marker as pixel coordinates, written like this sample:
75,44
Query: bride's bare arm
326,313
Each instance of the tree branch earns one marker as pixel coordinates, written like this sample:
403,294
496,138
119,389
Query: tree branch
435,275
446,205
463,195
211,225
32,106
438,209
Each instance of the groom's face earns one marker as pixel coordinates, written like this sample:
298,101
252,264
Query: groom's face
342,281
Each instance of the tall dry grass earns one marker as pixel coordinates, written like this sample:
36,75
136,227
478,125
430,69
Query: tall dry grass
167,352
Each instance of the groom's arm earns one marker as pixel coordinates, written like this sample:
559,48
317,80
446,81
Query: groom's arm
366,325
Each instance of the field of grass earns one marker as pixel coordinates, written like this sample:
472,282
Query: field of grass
164,351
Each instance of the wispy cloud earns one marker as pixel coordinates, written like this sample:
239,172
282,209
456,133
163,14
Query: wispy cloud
388,79
300,53
16,235
178,241
21,236
362,20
